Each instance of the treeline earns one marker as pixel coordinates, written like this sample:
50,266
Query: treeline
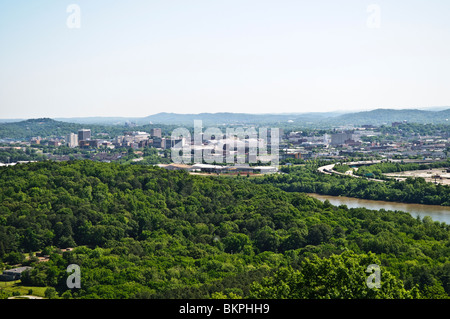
144,232
307,179
418,129
378,170
149,155
341,168
12,155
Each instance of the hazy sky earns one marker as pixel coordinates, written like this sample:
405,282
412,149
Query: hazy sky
136,58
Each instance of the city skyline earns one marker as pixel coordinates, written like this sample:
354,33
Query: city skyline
134,59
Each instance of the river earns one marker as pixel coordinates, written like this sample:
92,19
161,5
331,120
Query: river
437,213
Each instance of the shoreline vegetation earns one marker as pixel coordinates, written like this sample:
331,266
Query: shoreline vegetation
307,179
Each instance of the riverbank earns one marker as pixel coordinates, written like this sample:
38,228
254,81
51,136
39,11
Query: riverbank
436,212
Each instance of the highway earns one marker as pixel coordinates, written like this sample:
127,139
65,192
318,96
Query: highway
329,169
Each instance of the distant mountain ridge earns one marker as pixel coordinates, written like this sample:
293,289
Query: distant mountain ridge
207,118
375,117
233,118
59,126
388,116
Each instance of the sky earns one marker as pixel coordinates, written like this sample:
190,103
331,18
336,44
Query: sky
133,58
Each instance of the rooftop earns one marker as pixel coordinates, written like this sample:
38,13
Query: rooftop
18,270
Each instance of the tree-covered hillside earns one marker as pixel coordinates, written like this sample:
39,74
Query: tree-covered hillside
145,232
383,116
46,127
43,127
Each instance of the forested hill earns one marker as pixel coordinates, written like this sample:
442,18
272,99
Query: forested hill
49,128
322,119
43,127
387,116
145,232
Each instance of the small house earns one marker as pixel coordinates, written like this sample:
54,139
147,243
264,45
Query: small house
13,274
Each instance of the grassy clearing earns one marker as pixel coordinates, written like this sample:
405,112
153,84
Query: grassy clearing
17,287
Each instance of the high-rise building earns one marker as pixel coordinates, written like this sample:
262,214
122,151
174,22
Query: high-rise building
155,132
84,134
176,143
140,136
159,143
340,138
72,140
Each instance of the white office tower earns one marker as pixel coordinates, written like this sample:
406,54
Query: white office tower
72,140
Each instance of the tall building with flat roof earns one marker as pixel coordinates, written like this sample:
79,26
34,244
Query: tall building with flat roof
155,132
340,138
72,140
84,134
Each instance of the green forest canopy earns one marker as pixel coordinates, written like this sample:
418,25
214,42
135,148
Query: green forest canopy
145,232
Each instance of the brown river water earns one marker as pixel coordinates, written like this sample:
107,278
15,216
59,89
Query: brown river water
437,213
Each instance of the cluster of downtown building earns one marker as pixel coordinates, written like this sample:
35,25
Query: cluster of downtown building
219,146
134,139
339,144
240,148
352,141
